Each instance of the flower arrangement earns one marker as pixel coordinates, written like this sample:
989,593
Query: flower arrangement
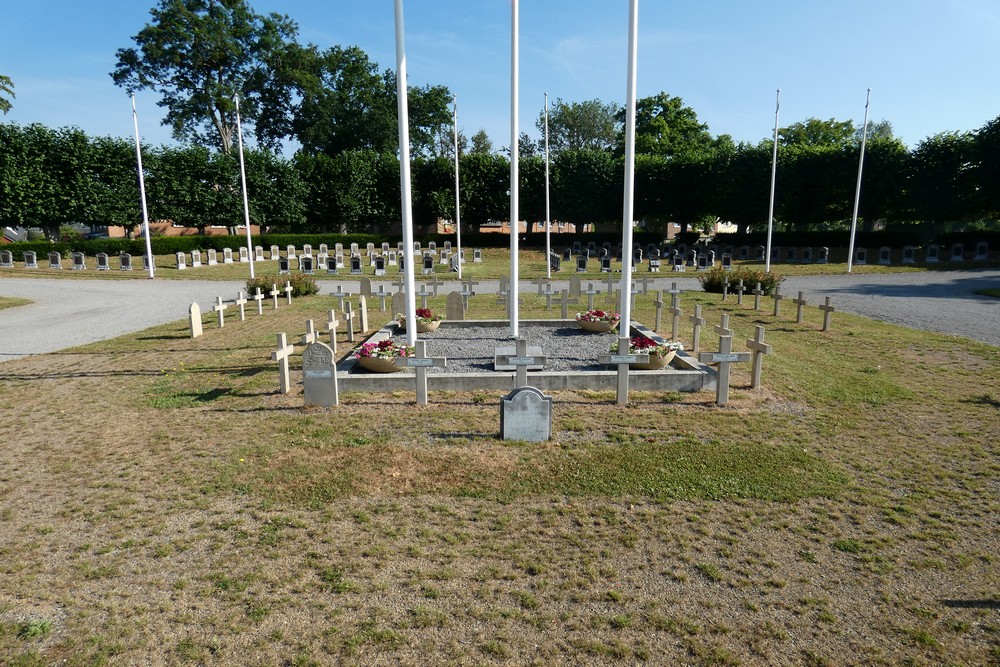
424,316
385,349
644,345
597,316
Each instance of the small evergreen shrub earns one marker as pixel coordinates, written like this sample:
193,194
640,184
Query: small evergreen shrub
712,280
302,284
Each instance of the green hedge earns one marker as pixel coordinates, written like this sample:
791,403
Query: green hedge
712,281
302,284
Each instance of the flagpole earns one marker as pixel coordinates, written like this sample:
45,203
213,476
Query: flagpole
857,190
142,190
774,173
548,220
458,212
404,177
625,309
513,293
243,181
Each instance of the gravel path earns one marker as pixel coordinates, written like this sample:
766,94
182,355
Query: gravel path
65,313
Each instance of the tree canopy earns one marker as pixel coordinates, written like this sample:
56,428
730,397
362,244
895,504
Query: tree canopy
198,54
576,126
6,90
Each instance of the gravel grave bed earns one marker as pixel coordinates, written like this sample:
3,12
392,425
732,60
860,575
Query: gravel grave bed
472,349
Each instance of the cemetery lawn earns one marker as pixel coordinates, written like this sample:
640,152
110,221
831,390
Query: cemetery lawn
161,503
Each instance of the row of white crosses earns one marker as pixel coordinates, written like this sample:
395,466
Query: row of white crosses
220,307
800,302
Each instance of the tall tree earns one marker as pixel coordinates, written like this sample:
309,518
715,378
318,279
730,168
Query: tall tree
481,144
589,125
6,90
816,132
197,54
665,126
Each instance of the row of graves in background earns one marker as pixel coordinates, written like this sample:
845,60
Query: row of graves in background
306,261
703,257
677,257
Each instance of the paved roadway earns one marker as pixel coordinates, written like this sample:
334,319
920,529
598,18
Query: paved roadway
66,313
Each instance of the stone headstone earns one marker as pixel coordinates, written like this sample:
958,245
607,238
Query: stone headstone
392,258
379,265
244,255
307,250
195,259
181,261
982,251
428,266
6,259
79,261
526,414
212,257
102,262
908,254
194,316
258,253
124,262
861,256
884,255
290,251
455,308
933,253
363,313
331,265
477,256
55,260
283,265
306,264
366,287
227,255
355,264
398,304
275,252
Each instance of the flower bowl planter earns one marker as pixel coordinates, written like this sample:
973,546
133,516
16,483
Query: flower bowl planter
655,363
427,327
601,326
378,365
422,327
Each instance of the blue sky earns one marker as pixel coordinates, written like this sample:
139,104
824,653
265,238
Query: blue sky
932,64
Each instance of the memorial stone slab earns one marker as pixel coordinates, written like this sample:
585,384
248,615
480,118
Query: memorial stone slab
274,252
124,262
932,253
212,257
102,262
477,256
146,261
398,304
455,307
909,255
884,255
526,414
379,265
30,260
283,265
195,259
355,265
306,264
227,255
982,251
363,314
55,260
194,317
244,255
331,265
258,253
79,261
290,251
6,259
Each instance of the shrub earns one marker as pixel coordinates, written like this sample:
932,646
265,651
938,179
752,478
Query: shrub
712,281
302,284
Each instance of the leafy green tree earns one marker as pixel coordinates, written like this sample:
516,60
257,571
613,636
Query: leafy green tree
485,187
193,187
586,186
352,191
480,143
741,182
665,126
942,179
45,177
580,126
987,168
816,132
197,54
6,90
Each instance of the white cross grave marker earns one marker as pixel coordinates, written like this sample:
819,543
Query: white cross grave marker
420,363
520,360
281,356
340,295
757,293
349,318
288,292
724,357
759,348
259,298
241,301
799,305
310,336
564,302
698,321
827,308
331,325
220,308
274,295
590,292
623,361
778,296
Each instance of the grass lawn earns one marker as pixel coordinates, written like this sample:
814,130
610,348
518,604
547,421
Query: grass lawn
160,502
11,302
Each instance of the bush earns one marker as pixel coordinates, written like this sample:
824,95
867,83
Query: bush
712,281
302,284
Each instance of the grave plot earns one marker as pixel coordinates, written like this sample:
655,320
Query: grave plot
572,360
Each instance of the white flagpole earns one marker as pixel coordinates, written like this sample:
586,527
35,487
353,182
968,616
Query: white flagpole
548,220
458,212
513,294
774,173
243,180
142,190
404,176
625,308
857,190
